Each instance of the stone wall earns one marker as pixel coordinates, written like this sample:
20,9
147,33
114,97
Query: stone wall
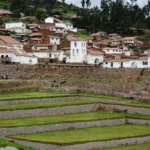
86,146
61,126
38,71
48,111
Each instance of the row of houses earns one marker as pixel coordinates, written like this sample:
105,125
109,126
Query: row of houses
57,41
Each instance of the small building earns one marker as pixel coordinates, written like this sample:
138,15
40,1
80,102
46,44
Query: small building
114,36
5,13
99,34
94,57
11,51
130,41
54,40
110,50
126,63
17,27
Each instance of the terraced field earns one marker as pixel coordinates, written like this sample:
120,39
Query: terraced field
86,135
58,121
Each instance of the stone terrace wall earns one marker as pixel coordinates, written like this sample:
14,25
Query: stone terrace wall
38,71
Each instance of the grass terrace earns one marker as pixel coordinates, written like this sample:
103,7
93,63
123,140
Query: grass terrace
47,104
4,143
69,137
145,146
102,96
87,116
78,117
32,95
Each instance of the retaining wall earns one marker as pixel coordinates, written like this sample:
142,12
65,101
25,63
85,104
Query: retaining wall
86,146
48,111
61,126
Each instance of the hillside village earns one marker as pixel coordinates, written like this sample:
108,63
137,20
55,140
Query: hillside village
59,42
74,78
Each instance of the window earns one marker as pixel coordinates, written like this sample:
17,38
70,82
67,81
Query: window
75,44
77,50
73,51
52,38
111,64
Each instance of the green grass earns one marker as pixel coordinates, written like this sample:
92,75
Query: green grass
145,146
32,95
89,116
4,143
87,134
46,104
78,117
102,96
82,35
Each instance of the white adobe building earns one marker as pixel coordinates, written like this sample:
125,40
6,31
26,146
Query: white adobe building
54,40
17,27
129,40
78,51
127,63
94,57
12,51
110,50
60,24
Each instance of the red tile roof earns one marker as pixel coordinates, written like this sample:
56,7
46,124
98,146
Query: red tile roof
9,40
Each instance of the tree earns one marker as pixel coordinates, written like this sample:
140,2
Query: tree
18,6
40,13
88,3
83,3
63,1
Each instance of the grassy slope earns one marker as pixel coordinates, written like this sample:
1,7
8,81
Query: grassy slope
47,104
89,116
78,117
30,95
4,143
82,35
145,146
87,134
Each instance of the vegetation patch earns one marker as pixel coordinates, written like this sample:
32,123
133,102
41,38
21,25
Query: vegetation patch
85,135
83,35
88,116
102,96
78,117
4,143
32,95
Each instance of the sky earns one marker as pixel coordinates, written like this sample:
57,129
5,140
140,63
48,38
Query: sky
97,2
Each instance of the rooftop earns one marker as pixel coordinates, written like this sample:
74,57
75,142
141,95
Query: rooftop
8,40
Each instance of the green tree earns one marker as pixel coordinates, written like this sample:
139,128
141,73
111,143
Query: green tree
40,13
88,3
83,3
